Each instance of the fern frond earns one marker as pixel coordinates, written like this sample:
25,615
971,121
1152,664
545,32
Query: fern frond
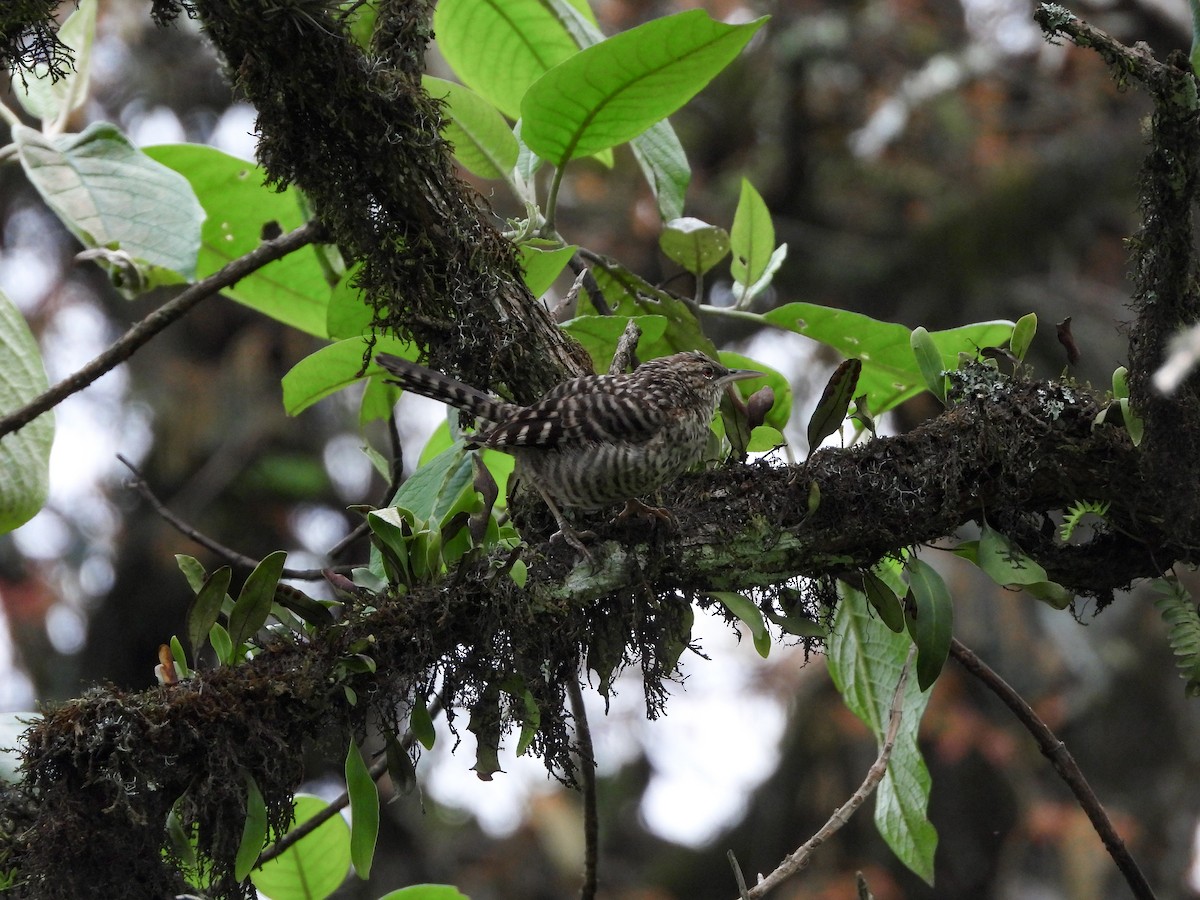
1076,513
1183,623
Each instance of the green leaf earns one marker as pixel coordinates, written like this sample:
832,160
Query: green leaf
421,725
519,572
426,892
613,91
181,666
253,604
929,361
764,438
932,625
1133,422
347,314
664,164
752,238
254,831
113,196
865,660
781,410
629,294
499,48
747,610
694,244
391,532
885,601
192,570
482,140
219,638
748,292
183,844
1051,593
1004,562
541,265
599,334
48,99
205,607
312,611
333,368
436,488
890,373
313,867
835,400
1022,335
364,811
25,455
293,290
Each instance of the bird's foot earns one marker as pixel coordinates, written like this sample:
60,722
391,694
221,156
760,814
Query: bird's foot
575,539
635,508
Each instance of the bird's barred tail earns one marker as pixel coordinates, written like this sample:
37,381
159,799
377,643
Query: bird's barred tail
435,385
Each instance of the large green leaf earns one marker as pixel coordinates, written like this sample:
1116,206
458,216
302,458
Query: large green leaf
615,90
25,455
426,892
293,290
890,373
500,47
482,140
113,197
313,867
865,660
332,368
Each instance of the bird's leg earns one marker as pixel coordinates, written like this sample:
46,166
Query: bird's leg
565,531
636,508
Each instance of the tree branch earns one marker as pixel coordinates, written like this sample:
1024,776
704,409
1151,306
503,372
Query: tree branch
167,314
1064,764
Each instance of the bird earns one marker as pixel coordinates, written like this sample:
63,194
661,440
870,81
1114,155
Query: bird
595,440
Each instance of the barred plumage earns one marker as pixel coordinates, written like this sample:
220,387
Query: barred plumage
597,439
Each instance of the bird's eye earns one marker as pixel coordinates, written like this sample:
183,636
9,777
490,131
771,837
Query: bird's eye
708,372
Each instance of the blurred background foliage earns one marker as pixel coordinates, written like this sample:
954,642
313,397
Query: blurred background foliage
927,161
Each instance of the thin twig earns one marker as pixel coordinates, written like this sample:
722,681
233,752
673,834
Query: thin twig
798,860
376,769
587,775
1062,761
231,556
167,314
626,352
599,301
743,892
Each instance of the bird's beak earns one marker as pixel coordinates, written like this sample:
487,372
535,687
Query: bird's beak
740,375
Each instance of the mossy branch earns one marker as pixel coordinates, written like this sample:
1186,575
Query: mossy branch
112,764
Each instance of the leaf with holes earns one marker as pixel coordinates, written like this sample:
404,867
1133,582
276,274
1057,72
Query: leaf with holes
694,244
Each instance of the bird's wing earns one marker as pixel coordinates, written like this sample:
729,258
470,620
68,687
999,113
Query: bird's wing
587,410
